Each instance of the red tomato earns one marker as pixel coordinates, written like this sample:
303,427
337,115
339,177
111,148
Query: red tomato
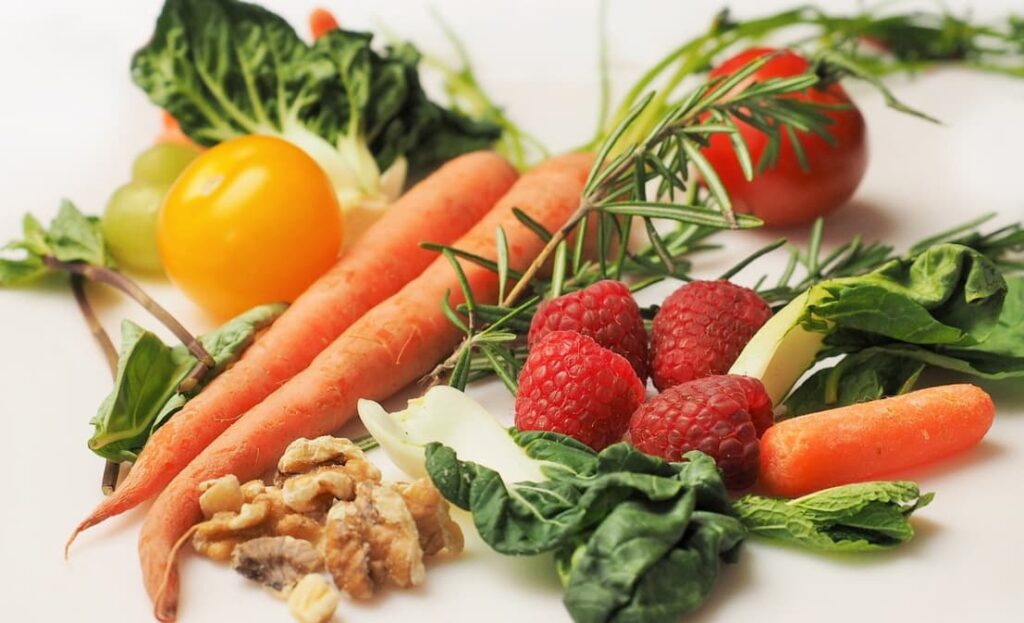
786,194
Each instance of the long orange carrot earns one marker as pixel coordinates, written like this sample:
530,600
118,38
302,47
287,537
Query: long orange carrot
439,209
871,439
395,343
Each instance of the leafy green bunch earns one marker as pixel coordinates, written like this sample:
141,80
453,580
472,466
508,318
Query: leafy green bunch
638,539
954,300
225,68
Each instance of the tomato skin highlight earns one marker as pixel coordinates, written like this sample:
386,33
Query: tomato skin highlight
253,220
786,194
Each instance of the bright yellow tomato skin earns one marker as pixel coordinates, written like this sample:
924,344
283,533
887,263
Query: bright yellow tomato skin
253,220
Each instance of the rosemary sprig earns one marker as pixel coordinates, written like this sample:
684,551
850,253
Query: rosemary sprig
876,42
617,184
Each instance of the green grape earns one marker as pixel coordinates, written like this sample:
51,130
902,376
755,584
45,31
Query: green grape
162,163
129,225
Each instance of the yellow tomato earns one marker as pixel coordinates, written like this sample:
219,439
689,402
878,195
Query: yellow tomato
253,220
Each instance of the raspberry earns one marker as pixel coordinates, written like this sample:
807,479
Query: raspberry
604,311
722,416
701,329
571,385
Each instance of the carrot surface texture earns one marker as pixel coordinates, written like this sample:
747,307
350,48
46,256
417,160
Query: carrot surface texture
394,344
321,22
439,209
864,441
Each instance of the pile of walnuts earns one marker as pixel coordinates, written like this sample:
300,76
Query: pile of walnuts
327,510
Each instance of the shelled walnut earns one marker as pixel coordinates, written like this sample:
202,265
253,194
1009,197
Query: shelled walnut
372,541
327,509
429,510
315,472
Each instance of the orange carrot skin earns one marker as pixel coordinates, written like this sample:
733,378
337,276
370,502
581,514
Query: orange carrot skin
394,344
864,441
440,209
321,22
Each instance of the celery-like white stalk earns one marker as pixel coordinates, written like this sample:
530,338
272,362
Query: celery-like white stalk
781,351
447,415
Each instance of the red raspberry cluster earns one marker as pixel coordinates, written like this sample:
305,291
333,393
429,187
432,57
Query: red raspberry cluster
589,358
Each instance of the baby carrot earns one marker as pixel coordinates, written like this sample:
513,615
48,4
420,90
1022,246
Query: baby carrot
394,344
863,441
321,21
439,209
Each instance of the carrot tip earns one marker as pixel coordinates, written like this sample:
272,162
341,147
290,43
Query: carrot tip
165,602
85,525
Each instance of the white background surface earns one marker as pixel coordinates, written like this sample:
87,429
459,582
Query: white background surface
71,122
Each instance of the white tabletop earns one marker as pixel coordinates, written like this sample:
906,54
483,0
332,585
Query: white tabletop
72,121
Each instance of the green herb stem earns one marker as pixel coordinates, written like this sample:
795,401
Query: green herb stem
93,322
102,274
111,469
552,244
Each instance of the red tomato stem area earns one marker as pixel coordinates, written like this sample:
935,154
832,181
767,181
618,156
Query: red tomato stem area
786,194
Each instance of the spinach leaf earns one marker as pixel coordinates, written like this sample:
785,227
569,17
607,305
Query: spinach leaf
949,295
71,237
891,368
866,375
226,68
149,372
635,538
852,518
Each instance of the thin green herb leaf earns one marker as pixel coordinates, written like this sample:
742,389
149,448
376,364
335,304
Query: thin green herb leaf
502,265
729,274
532,225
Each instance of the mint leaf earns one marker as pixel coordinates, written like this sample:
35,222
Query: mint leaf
852,518
20,272
74,237
145,393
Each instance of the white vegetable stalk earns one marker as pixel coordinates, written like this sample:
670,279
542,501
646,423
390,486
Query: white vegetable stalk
781,351
447,415
364,193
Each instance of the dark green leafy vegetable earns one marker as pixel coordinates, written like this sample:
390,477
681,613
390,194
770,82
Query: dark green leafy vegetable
947,298
948,295
851,518
866,375
226,68
892,369
146,388
635,538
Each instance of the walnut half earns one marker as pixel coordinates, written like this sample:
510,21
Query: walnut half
372,541
277,562
313,473
429,510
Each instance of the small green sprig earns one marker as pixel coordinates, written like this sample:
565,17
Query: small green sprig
74,244
877,42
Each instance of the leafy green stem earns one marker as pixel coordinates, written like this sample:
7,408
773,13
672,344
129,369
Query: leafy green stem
557,238
102,274
93,322
111,469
